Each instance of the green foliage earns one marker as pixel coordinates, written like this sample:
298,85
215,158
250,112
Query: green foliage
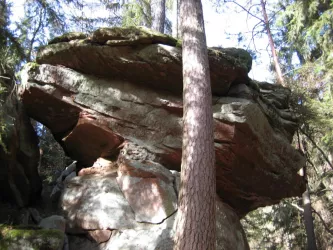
31,237
276,227
304,30
139,13
53,158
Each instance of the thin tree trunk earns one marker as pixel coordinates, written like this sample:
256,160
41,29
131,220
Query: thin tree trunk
308,219
158,10
271,43
196,224
177,18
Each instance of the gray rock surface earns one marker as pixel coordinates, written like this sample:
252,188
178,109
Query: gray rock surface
54,222
95,202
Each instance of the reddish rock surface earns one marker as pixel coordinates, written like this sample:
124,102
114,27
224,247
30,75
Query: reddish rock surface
99,236
149,189
122,98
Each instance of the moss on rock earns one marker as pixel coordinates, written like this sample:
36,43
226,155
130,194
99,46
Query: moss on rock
132,34
239,57
31,237
68,37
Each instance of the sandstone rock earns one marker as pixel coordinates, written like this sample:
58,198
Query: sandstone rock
148,188
124,53
128,98
230,234
67,174
19,178
95,202
144,235
101,166
132,36
67,37
99,236
54,222
150,239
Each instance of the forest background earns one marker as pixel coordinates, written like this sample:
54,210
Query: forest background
302,33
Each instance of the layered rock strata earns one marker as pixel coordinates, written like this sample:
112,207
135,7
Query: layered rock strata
120,89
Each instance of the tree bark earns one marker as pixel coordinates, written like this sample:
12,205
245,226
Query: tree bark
158,10
196,224
271,44
308,219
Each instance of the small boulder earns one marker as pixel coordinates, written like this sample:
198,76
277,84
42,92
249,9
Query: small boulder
54,222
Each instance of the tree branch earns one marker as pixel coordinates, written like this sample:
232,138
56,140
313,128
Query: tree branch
5,77
243,8
296,206
323,222
317,147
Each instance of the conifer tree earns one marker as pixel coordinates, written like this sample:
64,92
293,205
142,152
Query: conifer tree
196,224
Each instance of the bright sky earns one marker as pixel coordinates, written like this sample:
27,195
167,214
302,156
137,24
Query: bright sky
217,25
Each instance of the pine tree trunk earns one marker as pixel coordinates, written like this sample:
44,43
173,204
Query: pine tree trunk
196,224
158,10
271,43
308,219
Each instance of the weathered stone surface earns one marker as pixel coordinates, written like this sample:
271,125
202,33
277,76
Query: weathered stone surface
125,53
54,222
28,237
256,165
94,206
230,234
67,174
81,242
99,236
19,178
94,202
100,166
148,188
67,37
131,35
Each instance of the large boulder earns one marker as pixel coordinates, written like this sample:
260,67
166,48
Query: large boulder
138,213
142,56
113,92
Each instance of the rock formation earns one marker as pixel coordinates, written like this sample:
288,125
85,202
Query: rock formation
116,96
19,156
